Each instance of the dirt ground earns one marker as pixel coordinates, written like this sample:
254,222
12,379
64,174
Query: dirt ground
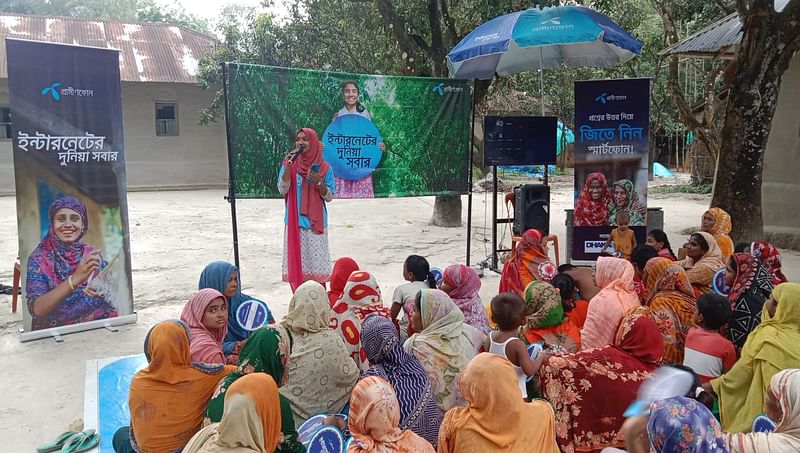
174,234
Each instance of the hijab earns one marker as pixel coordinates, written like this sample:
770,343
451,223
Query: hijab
751,287
168,398
529,262
633,207
591,212
251,422
771,258
712,260
342,269
374,421
306,313
682,425
216,275
721,231
543,306
614,277
466,286
206,344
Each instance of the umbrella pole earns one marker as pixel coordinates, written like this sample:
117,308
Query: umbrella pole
541,99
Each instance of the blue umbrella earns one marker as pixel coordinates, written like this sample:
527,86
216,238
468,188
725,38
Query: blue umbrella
541,39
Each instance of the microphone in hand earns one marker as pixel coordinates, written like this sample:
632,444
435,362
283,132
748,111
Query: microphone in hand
300,150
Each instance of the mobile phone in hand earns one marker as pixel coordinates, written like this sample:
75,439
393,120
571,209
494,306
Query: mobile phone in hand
315,168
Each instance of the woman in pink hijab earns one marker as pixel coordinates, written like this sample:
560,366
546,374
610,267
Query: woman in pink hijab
614,277
463,285
206,314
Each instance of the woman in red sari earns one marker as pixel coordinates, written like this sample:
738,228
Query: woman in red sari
528,263
591,208
591,389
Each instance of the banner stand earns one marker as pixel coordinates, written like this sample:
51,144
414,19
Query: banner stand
57,332
231,197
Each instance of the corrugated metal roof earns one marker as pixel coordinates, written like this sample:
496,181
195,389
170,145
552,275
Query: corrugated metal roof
149,52
718,40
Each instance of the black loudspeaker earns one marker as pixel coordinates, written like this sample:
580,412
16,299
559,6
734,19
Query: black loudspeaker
531,208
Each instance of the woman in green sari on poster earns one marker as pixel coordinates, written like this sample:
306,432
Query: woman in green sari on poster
264,352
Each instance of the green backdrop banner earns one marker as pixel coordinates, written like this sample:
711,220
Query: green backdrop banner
400,136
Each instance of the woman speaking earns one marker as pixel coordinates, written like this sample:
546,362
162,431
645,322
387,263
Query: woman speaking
305,251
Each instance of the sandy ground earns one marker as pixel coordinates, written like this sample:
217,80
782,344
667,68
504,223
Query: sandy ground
174,234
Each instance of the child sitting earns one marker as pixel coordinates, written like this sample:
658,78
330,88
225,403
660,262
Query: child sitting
708,353
622,235
508,312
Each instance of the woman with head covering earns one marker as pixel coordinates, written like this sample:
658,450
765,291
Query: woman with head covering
717,222
374,421
670,298
591,207
463,285
224,277
321,372
682,425
418,410
591,389
251,422
703,260
206,314
264,352
546,322
56,284
528,263
771,258
625,198
342,269
751,284
783,407
306,181
616,297
443,345
168,398
496,419
361,297
770,347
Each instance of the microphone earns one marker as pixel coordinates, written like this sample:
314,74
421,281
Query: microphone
298,153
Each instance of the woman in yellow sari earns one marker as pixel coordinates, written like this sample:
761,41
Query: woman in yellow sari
717,222
770,348
671,300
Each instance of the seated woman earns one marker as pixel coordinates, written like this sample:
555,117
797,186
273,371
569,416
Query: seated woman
321,373
206,314
168,398
579,385
672,303
703,260
769,257
529,262
463,285
615,278
443,345
342,268
717,222
770,347
783,407
497,419
374,421
574,306
251,421
224,277
545,321
361,298
751,285
58,269
264,352
418,410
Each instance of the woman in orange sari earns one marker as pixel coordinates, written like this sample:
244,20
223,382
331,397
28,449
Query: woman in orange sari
670,297
546,322
528,263
717,222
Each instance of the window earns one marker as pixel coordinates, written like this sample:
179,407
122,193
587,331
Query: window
5,123
166,119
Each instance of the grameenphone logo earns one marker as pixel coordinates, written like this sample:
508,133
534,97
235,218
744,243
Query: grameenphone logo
52,90
441,89
56,92
605,97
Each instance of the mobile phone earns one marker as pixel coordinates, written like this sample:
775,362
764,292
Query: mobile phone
315,168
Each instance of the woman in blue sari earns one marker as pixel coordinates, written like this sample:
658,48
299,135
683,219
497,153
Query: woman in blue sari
224,277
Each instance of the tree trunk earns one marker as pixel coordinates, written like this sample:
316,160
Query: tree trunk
761,62
447,211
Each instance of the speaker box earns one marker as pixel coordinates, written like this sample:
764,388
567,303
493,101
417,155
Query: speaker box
531,208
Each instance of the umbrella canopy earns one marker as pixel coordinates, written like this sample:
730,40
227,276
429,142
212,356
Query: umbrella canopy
541,39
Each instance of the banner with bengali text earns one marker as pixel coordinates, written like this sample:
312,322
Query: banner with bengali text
69,166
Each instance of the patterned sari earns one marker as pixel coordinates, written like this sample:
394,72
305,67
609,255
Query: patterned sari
752,286
588,211
445,346
545,320
671,300
592,388
721,231
681,425
528,263
771,258
632,206
466,294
